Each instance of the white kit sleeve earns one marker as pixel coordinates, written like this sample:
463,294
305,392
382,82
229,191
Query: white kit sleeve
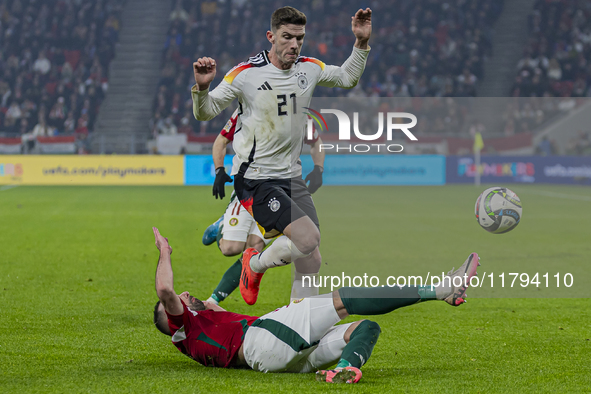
347,75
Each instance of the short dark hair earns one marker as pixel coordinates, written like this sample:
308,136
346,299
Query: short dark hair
287,15
160,320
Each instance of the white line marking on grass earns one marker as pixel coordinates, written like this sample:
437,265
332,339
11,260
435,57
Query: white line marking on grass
8,187
562,195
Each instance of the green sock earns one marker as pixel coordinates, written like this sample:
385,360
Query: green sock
343,364
229,282
427,293
380,300
360,345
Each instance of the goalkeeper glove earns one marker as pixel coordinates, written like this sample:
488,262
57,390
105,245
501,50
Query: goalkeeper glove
220,182
315,178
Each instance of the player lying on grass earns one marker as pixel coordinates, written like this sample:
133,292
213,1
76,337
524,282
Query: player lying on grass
273,89
236,229
300,337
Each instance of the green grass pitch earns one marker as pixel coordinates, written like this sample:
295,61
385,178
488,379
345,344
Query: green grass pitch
77,290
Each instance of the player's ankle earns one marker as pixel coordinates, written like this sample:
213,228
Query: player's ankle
434,292
342,364
443,291
255,265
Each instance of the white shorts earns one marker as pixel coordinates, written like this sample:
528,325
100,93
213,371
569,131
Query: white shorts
238,223
300,337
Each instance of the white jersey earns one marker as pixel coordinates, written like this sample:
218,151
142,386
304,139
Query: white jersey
271,129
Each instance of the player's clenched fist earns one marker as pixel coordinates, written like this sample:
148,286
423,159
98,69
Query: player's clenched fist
204,70
361,27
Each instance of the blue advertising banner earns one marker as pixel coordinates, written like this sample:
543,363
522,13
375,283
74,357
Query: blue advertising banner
199,169
521,169
380,169
344,169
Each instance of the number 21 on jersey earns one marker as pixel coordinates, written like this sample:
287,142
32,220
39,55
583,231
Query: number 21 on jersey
282,102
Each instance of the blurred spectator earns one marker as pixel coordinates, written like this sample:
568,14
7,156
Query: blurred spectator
41,129
82,125
24,127
581,144
42,64
13,114
544,148
167,127
179,13
57,115
185,127
70,123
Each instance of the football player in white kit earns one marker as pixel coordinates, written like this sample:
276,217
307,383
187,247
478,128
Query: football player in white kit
272,89
236,229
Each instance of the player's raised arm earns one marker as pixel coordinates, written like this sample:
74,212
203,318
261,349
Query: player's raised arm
164,277
206,104
347,75
361,27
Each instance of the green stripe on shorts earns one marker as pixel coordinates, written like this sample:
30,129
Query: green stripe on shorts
284,334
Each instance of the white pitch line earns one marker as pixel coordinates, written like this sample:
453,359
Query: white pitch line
561,195
8,187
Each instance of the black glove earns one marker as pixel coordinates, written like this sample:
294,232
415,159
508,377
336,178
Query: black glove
315,178
219,184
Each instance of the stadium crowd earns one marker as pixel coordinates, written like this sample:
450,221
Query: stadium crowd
556,60
555,64
432,48
526,114
54,63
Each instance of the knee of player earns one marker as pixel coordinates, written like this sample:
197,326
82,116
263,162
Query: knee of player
256,243
316,260
310,242
373,327
366,329
230,249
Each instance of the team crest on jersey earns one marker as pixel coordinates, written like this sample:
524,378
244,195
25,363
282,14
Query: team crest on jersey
302,81
228,126
233,222
274,205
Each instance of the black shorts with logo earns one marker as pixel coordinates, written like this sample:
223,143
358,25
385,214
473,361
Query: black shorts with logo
275,203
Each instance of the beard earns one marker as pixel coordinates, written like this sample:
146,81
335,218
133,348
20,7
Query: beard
196,305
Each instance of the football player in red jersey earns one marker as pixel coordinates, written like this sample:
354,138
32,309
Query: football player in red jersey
299,337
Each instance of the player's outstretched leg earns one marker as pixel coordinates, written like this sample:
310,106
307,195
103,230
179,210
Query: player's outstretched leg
211,232
465,272
249,280
380,300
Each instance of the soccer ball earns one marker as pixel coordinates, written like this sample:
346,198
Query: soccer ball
498,210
